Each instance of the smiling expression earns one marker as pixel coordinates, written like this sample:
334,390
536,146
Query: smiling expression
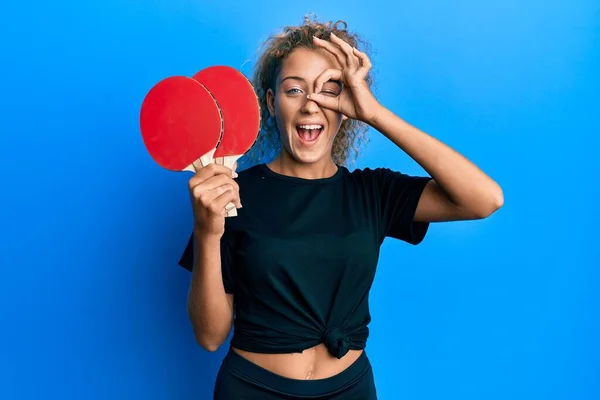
306,130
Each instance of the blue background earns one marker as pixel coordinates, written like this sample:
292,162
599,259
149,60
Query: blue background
92,301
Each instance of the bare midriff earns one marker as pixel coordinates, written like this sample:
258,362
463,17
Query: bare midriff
313,363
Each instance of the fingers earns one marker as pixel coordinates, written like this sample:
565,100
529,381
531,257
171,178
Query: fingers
333,49
210,170
211,183
365,64
327,75
351,59
327,100
216,200
208,195
215,182
356,61
332,103
342,51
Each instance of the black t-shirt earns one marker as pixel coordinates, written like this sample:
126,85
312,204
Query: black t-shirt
301,254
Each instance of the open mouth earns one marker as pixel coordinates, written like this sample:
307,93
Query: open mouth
309,133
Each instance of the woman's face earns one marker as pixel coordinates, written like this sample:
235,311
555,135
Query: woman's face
306,130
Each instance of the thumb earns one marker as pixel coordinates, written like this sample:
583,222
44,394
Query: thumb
324,101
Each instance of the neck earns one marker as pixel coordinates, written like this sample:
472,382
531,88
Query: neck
284,164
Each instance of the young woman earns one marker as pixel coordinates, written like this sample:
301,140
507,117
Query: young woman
297,262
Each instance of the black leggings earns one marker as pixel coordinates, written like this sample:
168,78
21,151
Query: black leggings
241,379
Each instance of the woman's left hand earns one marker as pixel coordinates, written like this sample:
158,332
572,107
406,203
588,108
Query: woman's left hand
356,100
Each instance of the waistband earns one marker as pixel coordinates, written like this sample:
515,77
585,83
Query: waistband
257,375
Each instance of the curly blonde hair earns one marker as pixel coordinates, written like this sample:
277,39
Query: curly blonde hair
352,134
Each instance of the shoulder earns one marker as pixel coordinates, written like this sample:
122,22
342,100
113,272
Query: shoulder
381,174
371,175
368,171
386,181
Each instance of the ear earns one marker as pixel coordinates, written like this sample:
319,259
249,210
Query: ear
271,102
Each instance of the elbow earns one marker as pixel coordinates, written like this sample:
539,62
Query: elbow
493,201
207,340
210,327
209,336
208,344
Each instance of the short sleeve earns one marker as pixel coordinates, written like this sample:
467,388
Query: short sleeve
227,244
399,196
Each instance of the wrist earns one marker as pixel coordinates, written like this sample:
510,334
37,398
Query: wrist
203,237
377,115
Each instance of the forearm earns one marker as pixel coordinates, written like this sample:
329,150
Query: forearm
461,180
210,307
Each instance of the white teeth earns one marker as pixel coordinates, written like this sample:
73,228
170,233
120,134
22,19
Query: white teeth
310,126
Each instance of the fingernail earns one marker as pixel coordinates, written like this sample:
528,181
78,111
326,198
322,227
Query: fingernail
235,174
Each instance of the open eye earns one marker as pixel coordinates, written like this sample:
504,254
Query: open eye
293,91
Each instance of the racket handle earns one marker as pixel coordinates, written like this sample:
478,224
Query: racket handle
229,162
207,158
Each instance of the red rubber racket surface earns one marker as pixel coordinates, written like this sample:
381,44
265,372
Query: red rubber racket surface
241,113
239,105
180,122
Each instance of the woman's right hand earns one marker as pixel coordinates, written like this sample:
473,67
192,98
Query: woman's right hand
212,188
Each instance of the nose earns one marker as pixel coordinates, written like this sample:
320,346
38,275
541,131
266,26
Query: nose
310,106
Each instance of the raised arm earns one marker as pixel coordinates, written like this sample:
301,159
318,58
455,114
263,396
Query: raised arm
459,190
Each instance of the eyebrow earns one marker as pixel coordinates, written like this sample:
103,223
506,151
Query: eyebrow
292,77
304,80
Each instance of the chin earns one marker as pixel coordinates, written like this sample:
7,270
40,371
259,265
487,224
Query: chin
309,151
307,158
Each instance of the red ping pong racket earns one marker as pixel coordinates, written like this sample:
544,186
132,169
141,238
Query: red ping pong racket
181,124
240,109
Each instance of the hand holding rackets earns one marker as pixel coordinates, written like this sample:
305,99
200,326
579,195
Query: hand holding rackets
212,188
188,123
